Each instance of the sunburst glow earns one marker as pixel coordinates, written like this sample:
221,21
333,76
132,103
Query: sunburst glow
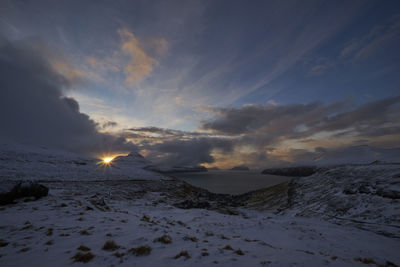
107,160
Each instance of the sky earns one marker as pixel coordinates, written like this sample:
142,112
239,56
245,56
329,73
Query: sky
217,83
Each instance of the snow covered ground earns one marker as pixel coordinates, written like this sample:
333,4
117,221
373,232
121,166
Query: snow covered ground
85,211
48,232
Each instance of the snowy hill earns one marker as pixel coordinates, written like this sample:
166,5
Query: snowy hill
39,163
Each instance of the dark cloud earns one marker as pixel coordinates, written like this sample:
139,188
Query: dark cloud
266,125
33,109
109,124
187,152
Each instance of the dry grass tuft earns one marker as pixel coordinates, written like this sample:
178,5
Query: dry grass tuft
141,251
224,237
83,257
49,243
228,247
49,232
183,253
118,255
83,248
239,252
145,218
84,232
110,245
190,238
365,260
165,239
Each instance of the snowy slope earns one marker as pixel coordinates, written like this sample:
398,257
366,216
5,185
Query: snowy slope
367,196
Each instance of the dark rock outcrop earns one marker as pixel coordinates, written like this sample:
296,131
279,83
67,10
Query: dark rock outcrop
190,204
292,171
13,191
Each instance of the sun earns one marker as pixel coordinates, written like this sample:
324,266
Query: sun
107,160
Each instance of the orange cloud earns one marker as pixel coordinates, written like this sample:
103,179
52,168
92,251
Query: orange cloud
67,70
140,64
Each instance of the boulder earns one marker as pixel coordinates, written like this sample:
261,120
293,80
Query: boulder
11,191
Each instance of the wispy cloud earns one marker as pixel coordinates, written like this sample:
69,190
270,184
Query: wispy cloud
360,48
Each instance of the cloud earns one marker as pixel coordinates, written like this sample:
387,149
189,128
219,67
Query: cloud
131,62
190,152
164,133
140,64
273,135
378,39
269,124
34,110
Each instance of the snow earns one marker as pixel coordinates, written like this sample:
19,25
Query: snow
89,205
263,237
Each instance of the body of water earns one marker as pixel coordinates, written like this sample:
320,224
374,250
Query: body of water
230,182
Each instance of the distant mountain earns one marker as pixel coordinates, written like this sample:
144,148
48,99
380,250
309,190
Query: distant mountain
292,171
177,169
361,154
240,168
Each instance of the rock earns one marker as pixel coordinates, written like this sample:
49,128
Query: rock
190,204
387,193
292,171
11,191
349,191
